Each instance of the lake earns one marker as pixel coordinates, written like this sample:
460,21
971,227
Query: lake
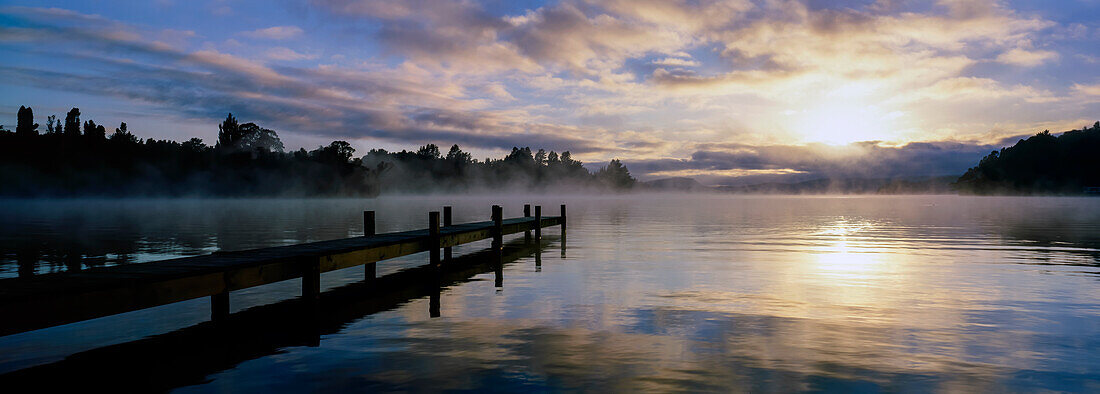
650,293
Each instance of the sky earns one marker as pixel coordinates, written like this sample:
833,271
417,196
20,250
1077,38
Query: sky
727,92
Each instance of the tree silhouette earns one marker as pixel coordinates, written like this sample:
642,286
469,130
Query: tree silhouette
428,152
121,135
336,152
228,134
194,145
457,156
1043,163
540,157
53,126
249,160
616,176
72,123
25,126
93,131
253,137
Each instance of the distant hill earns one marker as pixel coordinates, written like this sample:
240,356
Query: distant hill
1041,164
677,184
908,185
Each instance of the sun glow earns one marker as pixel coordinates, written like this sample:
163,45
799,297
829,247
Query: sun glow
842,123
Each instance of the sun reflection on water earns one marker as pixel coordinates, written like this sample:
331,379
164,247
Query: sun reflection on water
843,256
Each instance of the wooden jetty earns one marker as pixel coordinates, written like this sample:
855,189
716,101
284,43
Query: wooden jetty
195,352
55,299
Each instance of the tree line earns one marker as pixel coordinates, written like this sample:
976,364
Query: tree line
1041,164
71,158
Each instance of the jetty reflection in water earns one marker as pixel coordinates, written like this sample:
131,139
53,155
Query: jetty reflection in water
714,293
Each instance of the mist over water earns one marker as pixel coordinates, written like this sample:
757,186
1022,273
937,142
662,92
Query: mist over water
660,292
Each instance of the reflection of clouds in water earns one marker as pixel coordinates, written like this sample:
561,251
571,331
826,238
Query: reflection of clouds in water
720,293
665,350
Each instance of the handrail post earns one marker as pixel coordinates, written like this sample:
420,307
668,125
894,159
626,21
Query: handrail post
447,223
538,223
370,270
527,214
433,237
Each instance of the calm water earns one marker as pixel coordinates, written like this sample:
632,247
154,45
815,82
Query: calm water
653,293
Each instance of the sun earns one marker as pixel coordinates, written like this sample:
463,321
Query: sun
841,123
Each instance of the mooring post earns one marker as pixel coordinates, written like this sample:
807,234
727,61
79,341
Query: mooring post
370,270
447,223
538,223
433,237
527,214
311,279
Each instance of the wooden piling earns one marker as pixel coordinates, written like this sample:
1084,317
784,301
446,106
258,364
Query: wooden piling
562,220
447,223
368,223
527,214
498,227
433,237
562,225
538,223
370,270
498,244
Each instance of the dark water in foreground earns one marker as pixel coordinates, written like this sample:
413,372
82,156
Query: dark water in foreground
654,293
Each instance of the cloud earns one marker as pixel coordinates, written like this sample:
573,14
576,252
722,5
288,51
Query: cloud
668,82
283,53
675,62
1089,90
1026,58
979,89
739,163
274,32
403,104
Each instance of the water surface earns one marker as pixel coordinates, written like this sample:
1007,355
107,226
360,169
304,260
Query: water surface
653,293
